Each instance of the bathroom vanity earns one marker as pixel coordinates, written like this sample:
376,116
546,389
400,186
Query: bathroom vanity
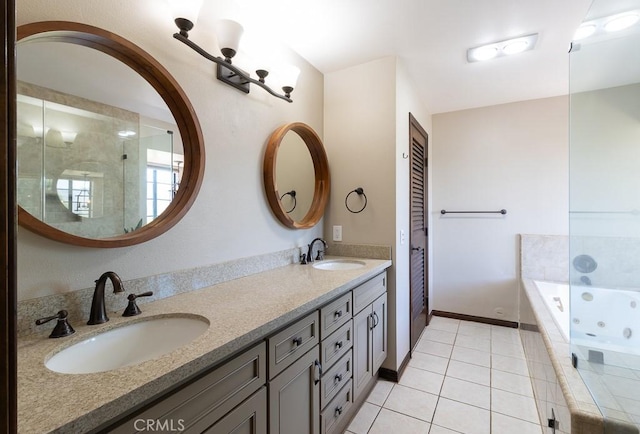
293,349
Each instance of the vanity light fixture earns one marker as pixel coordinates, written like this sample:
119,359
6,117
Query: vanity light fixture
611,24
228,33
502,48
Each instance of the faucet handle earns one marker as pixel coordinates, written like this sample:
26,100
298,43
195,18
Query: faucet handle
62,328
132,308
320,255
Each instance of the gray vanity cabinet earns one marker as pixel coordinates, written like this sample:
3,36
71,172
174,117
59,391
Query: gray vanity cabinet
369,332
303,379
294,397
231,396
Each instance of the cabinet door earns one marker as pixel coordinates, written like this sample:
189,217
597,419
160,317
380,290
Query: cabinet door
379,333
294,397
250,417
362,366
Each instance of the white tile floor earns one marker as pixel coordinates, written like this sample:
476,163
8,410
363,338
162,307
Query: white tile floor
464,377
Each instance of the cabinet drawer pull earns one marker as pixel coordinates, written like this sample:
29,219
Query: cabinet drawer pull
337,378
338,411
339,344
376,320
297,342
337,314
370,321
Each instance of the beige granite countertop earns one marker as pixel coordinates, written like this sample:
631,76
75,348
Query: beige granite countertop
240,312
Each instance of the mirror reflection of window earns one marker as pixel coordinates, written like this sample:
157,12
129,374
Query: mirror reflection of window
76,195
163,172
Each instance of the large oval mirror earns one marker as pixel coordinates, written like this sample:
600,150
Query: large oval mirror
110,151
296,176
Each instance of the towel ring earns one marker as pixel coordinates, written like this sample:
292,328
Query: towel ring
291,193
360,192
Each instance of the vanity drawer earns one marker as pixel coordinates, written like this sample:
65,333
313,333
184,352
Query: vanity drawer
337,410
366,293
293,342
336,313
205,400
336,345
336,377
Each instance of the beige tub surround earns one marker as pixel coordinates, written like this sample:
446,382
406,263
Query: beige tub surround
574,404
240,312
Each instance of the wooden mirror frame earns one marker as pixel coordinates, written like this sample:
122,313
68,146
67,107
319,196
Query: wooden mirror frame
172,94
321,170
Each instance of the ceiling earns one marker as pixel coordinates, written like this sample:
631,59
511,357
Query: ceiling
430,37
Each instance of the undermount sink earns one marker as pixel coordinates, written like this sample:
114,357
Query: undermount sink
128,344
339,264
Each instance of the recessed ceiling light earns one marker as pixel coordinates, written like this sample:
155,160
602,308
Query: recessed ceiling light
502,48
515,46
621,22
584,31
484,53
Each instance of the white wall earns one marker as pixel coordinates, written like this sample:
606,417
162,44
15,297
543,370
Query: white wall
511,156
366,131
230,218
407,102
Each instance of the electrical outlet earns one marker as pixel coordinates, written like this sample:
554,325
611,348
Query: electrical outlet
337,233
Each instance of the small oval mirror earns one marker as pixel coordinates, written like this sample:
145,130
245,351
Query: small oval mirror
296,176
110,152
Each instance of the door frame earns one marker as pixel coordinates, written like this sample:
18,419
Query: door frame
8,221
413,123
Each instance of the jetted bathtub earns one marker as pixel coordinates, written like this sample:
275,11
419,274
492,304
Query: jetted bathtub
607,319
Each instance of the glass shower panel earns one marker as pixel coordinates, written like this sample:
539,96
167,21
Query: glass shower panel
605,210
30,150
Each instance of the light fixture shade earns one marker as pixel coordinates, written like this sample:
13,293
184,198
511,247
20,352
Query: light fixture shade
228,33
53,139
69,136
289,75
187,9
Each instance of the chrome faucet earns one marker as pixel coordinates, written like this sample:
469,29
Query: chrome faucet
309,252
98,313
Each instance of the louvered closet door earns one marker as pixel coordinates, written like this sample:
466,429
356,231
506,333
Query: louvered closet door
419,231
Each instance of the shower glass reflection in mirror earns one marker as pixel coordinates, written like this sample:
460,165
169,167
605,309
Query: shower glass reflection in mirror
99,154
